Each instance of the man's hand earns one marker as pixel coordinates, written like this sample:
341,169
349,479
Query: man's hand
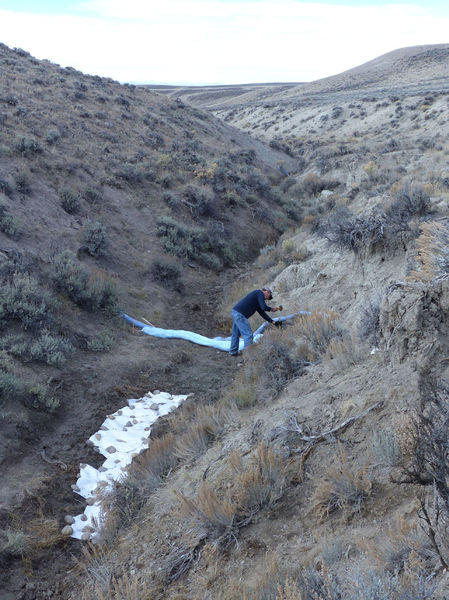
277,323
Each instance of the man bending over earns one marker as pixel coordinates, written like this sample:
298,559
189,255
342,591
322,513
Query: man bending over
243,310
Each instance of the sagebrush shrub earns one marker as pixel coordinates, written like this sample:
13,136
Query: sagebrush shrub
312,185
52,136
206,424
370,321
409,200
92,194
386,447
353,232
92,292
341,488
47,348
15,544
95,239
28,146
101,342
31,395
9,224
22,183
168,273
318,329
24,300
69,201
195,243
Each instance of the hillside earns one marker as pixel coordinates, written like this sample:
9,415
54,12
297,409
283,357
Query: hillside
315,466
111,198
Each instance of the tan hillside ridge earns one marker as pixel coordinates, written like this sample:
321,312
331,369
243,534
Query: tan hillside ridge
307,471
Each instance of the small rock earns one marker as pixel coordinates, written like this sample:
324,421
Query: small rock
75,488
67,530
155,406
90,501
98,436
69,519
85,537
83,517
111,449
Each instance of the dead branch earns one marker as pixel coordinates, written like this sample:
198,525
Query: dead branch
294,427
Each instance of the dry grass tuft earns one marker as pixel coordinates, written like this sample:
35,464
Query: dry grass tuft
406,434
433,251
207,423
318,329
159,459
242,394
261,482
44,533
342,353
213,515
403,547
218,513
341,489
269,365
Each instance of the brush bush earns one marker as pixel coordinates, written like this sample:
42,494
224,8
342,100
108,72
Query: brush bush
341,488
6,188
22,183
195,243
410,200
369,326
95,239
91,292
312,185
9,224
101,342
135,173
24,300
167,273
47,348
28,146
69,201
352,232
92,195
31,395
52,136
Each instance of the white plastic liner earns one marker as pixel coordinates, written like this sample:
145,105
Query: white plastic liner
122,436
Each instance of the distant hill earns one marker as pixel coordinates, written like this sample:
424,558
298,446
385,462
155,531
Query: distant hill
414,67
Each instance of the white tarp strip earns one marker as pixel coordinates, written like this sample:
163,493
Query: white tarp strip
122,436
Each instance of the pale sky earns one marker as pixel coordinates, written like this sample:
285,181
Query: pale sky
218,41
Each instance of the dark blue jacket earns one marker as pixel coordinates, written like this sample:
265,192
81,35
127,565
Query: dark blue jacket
251,303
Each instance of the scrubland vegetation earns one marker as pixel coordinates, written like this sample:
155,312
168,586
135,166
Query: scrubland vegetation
317,469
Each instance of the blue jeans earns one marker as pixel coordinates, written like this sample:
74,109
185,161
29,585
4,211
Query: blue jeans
240,327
